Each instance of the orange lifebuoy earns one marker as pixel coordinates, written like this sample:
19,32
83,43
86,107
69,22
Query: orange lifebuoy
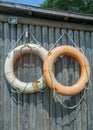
49,73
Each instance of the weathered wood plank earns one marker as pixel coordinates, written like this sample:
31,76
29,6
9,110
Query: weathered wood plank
52,104
45,40
58,75
65,112
57,36
90,85
89,96
25,78
1,76
84,105
87,46
71,74
89,92
49,23
51,37
26,96
39,113
7,96
13,94
78,109
51,100
19,75
33,98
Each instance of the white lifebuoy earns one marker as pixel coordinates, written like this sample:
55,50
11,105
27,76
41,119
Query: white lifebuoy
29,87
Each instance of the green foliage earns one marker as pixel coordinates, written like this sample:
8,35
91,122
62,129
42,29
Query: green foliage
84,6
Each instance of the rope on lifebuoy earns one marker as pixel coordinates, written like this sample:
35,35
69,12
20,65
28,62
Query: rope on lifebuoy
9,68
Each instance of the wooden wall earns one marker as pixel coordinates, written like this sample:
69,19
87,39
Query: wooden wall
39,111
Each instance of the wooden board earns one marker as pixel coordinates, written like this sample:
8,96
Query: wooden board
1,76
13,94
7,91
77,97
65,112
84,105
39,111
52,105
58,75
25,79
33,98
46,99
49,23
20,95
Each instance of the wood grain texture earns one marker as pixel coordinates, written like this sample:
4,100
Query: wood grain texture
71,81
45,41
39,112
7,93
50,23
65,112
89,92
58,75
1,75
13,94
84,103
52,104
90,84
33,97
32,77
25,79
77,97
19,75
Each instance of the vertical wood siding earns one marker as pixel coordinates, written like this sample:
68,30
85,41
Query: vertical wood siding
39,111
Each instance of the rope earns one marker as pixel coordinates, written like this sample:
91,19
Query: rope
61,38
26,36
16,91
70,107
90,84
34,39
17,41
56,42
42,90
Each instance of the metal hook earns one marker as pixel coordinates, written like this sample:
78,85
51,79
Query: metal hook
27,45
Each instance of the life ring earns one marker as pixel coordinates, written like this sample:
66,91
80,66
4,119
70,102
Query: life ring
30,87
49,73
